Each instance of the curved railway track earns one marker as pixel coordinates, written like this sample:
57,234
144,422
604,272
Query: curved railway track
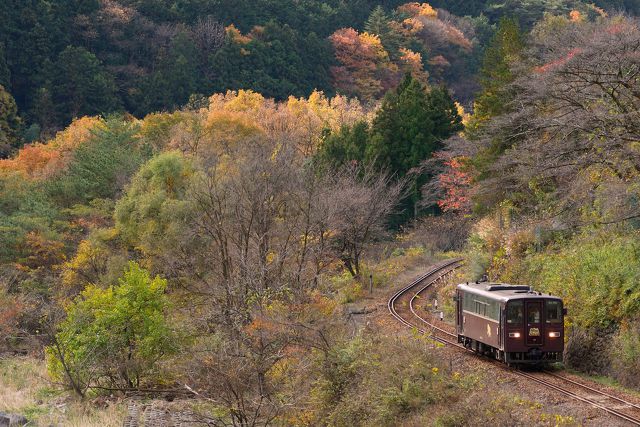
402,306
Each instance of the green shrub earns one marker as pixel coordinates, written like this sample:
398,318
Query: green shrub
398,252
351,293
114,337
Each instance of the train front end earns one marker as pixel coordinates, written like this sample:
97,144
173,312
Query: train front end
533,330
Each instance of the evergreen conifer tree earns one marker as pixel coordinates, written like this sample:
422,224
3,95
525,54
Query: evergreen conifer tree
5,73
410,126
496,75
378,24
9,122
81,85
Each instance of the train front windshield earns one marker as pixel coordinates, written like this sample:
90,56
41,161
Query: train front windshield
554,311
515,313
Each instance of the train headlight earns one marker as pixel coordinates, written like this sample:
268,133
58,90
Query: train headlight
554,334
514,334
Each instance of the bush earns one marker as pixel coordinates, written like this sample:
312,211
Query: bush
587,350
375,380
114,337
625,354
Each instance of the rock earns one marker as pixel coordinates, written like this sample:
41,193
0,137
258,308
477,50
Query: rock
12,420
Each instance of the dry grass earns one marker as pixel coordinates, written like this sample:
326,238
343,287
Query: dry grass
20,378
25,389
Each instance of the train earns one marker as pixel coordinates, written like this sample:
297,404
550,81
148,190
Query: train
511,323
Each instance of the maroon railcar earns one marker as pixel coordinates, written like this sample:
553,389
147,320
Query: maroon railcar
511,323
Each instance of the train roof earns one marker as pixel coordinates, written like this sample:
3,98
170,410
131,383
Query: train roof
502,291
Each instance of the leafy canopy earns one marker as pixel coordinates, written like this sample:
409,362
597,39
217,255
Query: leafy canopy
114,337
155,205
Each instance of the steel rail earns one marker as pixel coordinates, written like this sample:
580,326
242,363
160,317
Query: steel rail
452,265
595,390
437,269
576,396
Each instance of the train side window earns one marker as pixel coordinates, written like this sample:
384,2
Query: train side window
554,311
480,308
514,313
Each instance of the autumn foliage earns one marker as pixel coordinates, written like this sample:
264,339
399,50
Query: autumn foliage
43,160
365,67
455,183
370,64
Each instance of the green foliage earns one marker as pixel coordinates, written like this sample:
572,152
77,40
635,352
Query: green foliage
5,73
9,122
33,33
378,23
80,86
155,206
348,145
597,277
630,6
277,62
339,370
145,48
380,381
102,166
321,17
495,76
24,207
155,68
625,354
99,259
410,126
444,113
114,337
43,110
174,79
527,12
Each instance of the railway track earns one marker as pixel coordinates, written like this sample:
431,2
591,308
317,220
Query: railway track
402,306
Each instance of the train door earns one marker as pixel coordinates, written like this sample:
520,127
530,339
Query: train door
460,317
500,330
535,333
